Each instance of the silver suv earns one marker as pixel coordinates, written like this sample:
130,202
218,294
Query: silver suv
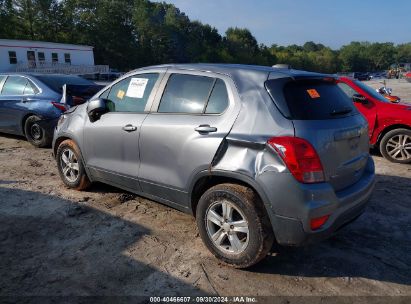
256,154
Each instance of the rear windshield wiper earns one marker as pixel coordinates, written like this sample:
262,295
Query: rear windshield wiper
341,112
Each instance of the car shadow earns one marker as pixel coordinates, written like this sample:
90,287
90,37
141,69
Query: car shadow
12,136
97,187
376,246
24,139
51,246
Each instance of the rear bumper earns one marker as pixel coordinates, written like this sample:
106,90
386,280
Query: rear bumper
48,125
291,218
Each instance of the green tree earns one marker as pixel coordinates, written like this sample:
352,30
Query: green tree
7,19
240,45
403,53
381,55
354,57
131,33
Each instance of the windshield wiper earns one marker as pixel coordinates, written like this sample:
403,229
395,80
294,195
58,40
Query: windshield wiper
341,112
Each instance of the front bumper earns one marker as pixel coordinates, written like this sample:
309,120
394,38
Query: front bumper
298,203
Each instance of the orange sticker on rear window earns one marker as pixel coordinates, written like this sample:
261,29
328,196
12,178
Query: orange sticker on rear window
313,93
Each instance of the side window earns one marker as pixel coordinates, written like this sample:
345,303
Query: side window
14,85
54,57
30,88
105,94
131,94
218,101
12,57
41,56
67,58
347,89
186,94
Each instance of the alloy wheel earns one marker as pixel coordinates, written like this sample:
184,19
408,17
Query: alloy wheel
399,147
227,227
69,165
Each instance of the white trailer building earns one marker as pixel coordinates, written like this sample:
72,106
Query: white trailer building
47,57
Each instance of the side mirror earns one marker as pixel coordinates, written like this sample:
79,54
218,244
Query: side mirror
359,98
96,108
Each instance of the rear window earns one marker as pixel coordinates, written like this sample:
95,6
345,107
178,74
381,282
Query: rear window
56,82
310,99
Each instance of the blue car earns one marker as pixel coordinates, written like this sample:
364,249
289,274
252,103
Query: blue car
30,104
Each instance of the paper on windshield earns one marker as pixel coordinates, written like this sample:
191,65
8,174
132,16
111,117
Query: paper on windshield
137,87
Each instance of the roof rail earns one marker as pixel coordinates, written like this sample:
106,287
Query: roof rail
282,66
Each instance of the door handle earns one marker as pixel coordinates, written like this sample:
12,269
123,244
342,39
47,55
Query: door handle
24,99
203,129
129,128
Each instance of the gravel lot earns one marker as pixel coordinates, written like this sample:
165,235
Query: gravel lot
55,241
400,88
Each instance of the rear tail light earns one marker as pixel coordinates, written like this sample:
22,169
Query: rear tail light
316,223
60,106
300,157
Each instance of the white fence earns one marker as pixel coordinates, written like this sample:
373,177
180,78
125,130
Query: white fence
60,68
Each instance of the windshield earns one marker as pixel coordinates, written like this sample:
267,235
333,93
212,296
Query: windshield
56,82
370,91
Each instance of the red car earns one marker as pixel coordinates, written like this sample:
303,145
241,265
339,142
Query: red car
389,124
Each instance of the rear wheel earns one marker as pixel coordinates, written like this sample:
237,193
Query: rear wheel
35,133
233,225
70,166
396,146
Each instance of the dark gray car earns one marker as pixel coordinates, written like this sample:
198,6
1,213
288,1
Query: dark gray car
257,154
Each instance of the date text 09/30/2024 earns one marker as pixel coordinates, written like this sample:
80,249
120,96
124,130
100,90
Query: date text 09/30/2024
203,299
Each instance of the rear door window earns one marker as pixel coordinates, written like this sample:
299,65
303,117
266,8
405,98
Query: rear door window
193,94
14,85
30,88
218,101
186,94
313,99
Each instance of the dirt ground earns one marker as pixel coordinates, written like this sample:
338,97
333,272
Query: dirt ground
55,241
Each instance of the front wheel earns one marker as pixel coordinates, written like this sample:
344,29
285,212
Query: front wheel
233,225
70,166
396,146
35,133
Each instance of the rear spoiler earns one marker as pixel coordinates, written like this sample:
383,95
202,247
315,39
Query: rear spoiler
74,94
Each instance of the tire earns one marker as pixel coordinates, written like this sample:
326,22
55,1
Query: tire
234,247
35,134
71,166
395,146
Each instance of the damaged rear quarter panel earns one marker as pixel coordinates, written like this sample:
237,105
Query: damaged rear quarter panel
244,151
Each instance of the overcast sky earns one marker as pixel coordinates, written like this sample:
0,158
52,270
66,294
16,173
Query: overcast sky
331,22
